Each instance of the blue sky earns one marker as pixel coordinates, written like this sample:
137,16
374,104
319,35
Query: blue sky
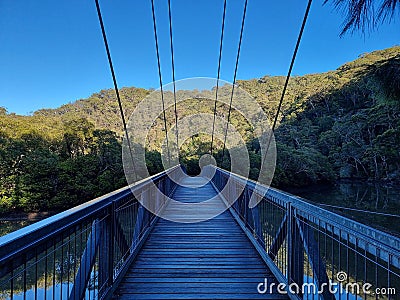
51,52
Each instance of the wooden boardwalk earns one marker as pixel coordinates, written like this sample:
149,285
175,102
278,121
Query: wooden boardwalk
206,260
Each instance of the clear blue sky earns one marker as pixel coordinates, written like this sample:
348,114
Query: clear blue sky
51,52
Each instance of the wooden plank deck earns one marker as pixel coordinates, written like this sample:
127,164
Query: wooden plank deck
207,260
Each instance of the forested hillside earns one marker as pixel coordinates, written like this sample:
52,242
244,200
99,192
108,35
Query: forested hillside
339,124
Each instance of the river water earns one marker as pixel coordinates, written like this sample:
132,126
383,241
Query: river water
372,204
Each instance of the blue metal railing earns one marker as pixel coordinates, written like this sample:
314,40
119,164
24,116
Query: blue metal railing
83,252
310,248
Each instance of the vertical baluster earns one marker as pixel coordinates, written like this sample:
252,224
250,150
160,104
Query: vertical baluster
325,245
310,277
108,234
388,270
365,266
347,262
92,234
75,247
12,283
333,250
61,267
340,251
290,242
68,262
54,270
24,274
356,261
94,279
36,274
376,270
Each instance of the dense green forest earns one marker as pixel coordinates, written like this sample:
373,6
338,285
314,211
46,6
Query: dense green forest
339,124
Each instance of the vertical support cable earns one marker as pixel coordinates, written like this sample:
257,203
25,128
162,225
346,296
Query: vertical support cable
173,72
115,82
160,79
234,78
218,76
287,78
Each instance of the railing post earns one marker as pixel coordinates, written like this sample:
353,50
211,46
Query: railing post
87,262
295,261
110,242
105,253
255,211
140,220
158,200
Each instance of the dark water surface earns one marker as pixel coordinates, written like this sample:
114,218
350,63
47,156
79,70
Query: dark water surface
365,200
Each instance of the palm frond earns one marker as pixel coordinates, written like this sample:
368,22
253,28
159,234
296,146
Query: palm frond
364,15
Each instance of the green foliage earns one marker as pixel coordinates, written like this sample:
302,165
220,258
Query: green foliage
41,174
339,124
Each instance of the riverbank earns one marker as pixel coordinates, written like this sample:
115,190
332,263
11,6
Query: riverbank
15,221
31,216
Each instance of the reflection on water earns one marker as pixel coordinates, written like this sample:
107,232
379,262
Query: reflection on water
51,273
339,290
360,196
58,291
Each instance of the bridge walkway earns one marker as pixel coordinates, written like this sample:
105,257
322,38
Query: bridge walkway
212,259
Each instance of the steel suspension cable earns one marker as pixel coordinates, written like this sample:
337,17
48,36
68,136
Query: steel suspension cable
218,76
173,71
288,77
115,82
234,77
160,77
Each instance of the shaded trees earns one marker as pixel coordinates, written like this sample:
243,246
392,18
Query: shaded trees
43,174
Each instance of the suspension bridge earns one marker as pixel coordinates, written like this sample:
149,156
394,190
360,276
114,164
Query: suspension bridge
124,245
114,248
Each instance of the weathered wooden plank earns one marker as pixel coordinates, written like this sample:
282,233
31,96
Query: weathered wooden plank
192,247
207,280
187,271
210,266
186,262
173,286
225,288
228,274
196,260
232,295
